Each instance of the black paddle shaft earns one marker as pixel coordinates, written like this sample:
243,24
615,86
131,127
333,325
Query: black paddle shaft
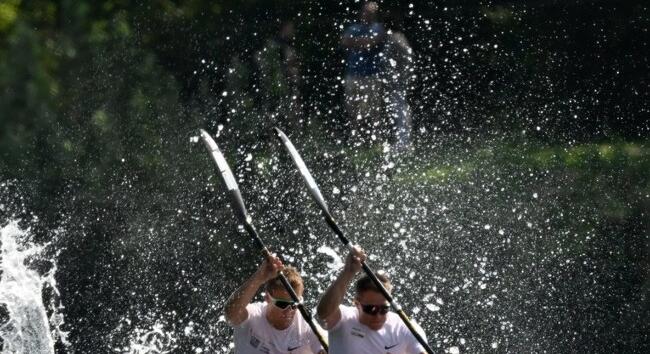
285,282
378,284
318,198
239,208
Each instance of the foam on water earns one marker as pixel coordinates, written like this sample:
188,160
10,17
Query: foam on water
27,327
150,340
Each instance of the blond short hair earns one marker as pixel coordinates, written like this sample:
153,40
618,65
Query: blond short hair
292,275
365,284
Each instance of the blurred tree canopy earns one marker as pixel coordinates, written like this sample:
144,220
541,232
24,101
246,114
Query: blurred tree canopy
577,69
99,99
91,89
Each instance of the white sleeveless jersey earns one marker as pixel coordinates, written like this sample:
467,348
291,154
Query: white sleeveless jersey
350,336
256,335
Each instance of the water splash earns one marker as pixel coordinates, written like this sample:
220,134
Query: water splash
336,260
150,340
27,327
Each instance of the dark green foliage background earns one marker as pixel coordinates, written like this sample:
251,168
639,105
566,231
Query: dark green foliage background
99,99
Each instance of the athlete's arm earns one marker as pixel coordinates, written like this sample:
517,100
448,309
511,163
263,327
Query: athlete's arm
328,308
235,308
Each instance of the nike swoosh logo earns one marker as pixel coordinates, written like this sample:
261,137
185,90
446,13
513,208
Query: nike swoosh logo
390,346
294,348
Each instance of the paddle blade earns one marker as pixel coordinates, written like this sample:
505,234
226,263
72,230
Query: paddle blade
226,176
306,175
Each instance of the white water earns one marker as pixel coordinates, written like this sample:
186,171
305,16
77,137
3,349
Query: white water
153,340
27,328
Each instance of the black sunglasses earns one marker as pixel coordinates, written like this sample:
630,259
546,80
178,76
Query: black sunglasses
283,304
375,309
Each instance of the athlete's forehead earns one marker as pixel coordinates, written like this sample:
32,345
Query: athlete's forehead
371,297
284,294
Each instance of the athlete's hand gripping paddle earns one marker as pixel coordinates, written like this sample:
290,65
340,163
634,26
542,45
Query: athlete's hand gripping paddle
242,215
318,198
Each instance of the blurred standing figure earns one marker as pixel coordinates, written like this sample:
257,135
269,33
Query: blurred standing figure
280,79
398,69
363,42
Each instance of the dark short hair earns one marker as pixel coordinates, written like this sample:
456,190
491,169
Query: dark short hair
292,275
365,283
